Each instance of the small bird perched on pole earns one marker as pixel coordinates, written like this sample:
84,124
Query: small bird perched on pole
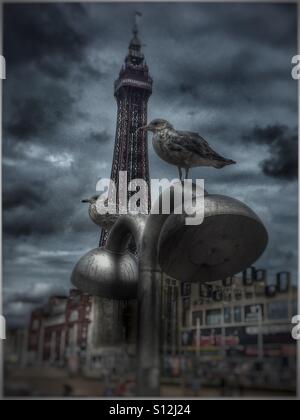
106,221
183,149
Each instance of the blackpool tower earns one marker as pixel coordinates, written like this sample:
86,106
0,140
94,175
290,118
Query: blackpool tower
115,321
133,89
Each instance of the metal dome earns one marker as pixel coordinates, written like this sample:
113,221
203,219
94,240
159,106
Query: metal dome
106,274
231,238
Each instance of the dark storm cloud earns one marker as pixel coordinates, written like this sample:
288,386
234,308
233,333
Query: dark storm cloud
239,82
43,34
40,211
97,137
283,148
236,21
36,295
23,194
19,305
219,69
28,120
22,223
41,114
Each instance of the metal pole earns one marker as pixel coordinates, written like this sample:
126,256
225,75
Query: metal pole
149,310
146,231
260,343
198,338
223,339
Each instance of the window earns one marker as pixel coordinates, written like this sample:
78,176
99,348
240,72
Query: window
218,295
214,317
36,325
260,289
253,312
278,310
74,316
185,318
249,293
186,289
227,282
84,332
238,295
271,291
248,276
227,315
186,304
283,282
260,276
197,316
205,291
187,338
238,314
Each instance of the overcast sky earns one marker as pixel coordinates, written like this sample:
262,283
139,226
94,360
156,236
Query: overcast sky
223,70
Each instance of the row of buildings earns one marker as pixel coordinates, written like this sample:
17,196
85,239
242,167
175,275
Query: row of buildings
212,321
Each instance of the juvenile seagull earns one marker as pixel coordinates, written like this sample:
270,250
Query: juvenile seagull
182,148
106,221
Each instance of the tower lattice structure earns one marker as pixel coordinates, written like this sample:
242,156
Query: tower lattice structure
132,91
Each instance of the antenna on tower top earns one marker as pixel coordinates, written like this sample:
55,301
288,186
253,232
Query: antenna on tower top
137,18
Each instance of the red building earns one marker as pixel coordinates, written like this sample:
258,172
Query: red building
59,329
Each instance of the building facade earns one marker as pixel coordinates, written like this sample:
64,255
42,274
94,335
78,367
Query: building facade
62,333
60,329
245,319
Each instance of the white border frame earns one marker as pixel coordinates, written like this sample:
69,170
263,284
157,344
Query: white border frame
1,239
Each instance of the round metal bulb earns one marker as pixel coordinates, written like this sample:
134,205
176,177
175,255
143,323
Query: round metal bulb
106,274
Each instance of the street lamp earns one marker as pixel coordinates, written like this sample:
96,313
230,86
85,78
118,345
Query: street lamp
260,335
230,239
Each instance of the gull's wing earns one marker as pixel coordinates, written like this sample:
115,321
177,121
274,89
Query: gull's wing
186,141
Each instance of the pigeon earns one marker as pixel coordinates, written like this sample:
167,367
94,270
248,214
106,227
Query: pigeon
106,221
183,149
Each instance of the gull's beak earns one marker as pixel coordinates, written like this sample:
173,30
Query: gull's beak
144,128
86,200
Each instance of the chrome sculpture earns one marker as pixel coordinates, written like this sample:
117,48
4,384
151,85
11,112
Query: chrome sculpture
230,239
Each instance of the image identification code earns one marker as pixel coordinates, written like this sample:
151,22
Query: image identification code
171,410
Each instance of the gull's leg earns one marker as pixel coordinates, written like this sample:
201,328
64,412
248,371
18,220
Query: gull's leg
187,171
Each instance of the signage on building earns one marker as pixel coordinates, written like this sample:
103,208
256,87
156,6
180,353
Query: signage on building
268,329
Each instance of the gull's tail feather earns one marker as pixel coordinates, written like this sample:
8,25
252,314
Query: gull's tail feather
224,162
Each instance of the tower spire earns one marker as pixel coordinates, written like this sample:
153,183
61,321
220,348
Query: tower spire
137,17
135,56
